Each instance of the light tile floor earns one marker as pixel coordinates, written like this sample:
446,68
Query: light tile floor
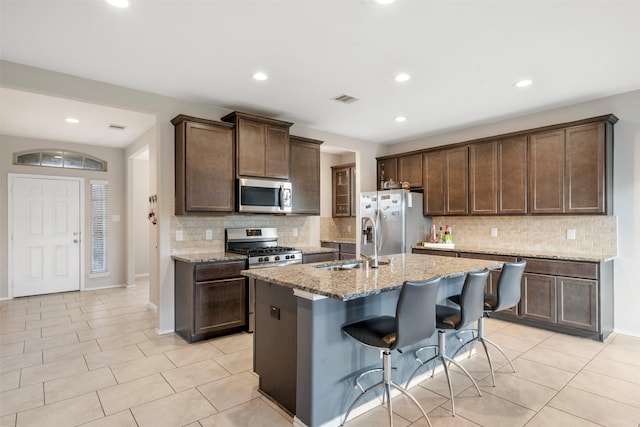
94,359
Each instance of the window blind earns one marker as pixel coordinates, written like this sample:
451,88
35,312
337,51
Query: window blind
99,209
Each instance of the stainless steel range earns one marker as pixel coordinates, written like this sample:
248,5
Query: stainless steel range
262,250
261,247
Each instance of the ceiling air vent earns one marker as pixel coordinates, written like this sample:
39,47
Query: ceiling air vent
116,127
345,99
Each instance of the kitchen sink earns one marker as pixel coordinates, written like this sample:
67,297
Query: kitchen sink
340,267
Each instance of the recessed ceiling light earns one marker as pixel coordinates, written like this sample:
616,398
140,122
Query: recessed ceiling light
402,77
384,1
119,3
523,83
71,120
400,119
260,76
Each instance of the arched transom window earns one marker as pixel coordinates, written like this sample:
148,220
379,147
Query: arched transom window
59,159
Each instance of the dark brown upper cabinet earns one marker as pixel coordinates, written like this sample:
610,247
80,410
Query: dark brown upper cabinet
565,168
304,174
570,169
433,181
586,151
262,145
512,175
546,172
387,170
343,194
410,170
498,177
204,160
483,178
445,177
456,194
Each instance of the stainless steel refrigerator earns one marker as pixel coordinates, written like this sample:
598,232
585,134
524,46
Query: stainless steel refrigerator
399,219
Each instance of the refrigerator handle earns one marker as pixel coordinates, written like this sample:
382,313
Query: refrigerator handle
379,230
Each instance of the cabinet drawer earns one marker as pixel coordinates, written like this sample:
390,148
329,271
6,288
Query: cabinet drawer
349,248
583,270
220,305
204,272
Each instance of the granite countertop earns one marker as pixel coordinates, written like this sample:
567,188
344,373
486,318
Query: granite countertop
357,283
209,257
529,253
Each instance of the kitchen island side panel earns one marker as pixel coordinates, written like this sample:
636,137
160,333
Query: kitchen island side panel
329,361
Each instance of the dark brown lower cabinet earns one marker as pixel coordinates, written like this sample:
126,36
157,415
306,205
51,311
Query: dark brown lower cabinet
275,343
538,298
574,297
569,296
210,299
577,302
219,305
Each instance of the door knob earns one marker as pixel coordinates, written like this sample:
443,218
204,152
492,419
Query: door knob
75,240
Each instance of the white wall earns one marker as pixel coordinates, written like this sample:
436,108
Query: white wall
626,164
141,223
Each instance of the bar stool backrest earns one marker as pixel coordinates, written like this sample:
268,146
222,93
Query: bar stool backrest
416,312
509,285
472,297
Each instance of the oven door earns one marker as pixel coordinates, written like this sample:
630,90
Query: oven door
264,196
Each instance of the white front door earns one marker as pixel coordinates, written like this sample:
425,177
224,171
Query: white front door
45,235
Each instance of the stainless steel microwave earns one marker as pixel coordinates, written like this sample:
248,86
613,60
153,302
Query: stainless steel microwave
263,196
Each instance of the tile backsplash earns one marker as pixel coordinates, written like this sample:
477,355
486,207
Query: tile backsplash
337,228
194,230
594,234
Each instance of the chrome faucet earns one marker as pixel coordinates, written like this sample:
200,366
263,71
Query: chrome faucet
365,232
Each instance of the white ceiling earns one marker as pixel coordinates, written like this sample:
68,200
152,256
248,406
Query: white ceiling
463,56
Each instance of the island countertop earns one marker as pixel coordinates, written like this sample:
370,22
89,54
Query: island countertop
361,282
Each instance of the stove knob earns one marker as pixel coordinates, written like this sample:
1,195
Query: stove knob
286,257
260,259
266,259
277,258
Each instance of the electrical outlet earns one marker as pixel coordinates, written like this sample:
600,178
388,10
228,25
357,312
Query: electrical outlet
179,236
494,232
275,312
208,234
571,234
295,232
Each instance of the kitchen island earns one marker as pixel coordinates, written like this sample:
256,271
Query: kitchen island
305,363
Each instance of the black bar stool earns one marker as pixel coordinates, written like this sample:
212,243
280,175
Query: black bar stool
507,296
415,321
456,318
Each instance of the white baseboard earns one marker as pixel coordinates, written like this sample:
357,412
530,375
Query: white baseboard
164,331
625,332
